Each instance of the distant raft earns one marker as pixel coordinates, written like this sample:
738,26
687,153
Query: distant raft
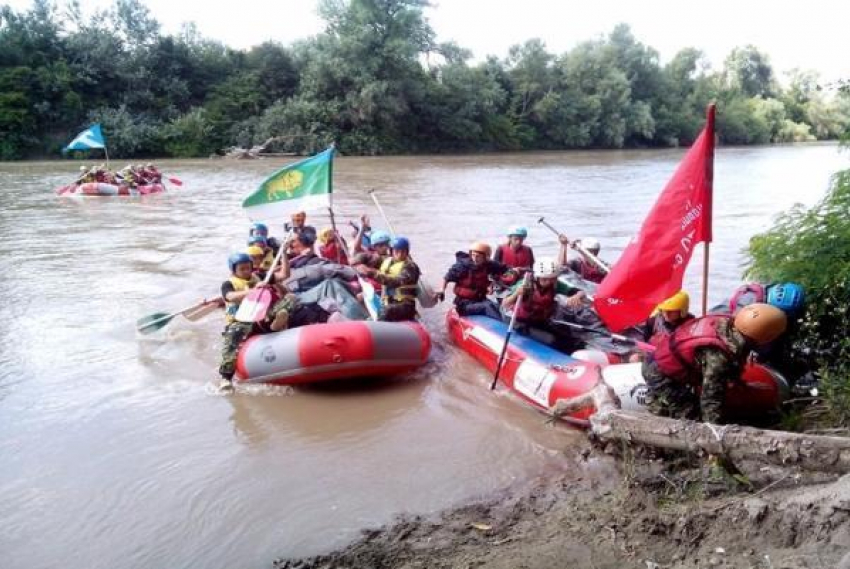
541,375
332,351
101,189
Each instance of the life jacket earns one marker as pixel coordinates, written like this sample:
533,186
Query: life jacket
676,357
538,308
521,258
268,260
474,284
403,293
230,308
746,294
589,271
330,252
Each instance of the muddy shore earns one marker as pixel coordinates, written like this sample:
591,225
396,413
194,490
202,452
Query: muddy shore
644,515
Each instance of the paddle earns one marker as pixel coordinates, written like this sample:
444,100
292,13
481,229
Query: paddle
508,335
208,308
174,181
255,306
424,291
371,300
578,247
617,337
159,320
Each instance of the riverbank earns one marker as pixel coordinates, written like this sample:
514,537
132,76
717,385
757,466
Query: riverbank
646,517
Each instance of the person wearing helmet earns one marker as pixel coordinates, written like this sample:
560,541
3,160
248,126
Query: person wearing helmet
374,257
258,256
399,278
471,274
362,235
332,246
584,267
788,297
262,230
538,303
667,316
233,291
515,254
688,373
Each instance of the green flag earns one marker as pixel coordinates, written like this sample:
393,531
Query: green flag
305,185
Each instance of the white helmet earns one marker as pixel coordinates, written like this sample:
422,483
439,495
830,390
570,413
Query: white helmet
591,244
83,169
546,268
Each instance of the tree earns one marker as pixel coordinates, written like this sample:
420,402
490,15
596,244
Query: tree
748,70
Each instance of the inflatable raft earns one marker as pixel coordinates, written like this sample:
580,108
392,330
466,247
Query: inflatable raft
100,189
541,375
338,350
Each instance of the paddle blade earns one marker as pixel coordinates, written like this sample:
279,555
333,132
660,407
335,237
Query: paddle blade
425,295
370,299
175,181
255,306
154,322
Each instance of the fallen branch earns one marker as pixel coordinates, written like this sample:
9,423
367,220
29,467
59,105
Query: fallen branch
733,442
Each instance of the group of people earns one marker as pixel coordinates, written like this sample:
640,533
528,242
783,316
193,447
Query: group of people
313,277
130,175
687,368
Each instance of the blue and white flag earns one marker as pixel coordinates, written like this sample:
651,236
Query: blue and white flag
88,139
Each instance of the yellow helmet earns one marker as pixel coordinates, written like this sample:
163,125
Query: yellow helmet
326,235
760,322
254,251
679,301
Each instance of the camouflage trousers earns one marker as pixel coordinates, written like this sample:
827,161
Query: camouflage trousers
676,399
235,333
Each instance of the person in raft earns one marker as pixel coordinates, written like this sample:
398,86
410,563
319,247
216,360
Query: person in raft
582,266
471,274
262,230
332,246
399,277
234,290
373,258
299,226
538,304
706,354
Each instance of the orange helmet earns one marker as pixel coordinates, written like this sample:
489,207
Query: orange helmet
481,247
761,323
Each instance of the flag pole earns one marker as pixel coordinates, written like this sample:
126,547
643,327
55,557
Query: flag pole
709,178
105,151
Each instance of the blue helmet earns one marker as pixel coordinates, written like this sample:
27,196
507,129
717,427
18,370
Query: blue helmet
402,243
786,296
237,259
257,240
259,229
379,237
517,230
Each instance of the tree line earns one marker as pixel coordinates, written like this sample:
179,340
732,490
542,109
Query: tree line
376,81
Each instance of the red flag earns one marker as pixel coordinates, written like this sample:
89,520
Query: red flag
653,265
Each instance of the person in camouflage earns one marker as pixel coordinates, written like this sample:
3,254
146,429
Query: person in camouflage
688,373
399,278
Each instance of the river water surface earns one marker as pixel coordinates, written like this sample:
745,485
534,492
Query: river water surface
115,451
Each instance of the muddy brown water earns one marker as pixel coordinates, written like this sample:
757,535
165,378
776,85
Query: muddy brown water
115,452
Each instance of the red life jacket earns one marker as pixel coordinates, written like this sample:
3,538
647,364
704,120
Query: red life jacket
329,252
676,357
516,259
756,290
539,307
590,272
474,284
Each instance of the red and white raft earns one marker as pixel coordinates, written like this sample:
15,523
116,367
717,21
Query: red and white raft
338,350
541,375
100,189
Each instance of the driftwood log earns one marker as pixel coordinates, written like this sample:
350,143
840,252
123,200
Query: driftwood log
249,153
733,442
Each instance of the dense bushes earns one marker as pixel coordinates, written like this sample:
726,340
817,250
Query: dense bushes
376,81
812,247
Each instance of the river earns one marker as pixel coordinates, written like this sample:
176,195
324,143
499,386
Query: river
116,451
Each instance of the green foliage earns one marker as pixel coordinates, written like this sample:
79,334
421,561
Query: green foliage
812,247
375,81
